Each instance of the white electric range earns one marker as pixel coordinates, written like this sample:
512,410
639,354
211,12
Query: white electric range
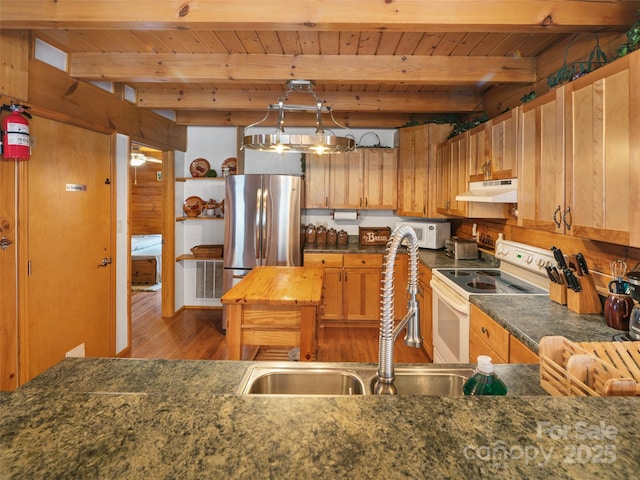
521,272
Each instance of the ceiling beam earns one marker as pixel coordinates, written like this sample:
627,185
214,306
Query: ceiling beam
202,67
410,102
350,120
328,15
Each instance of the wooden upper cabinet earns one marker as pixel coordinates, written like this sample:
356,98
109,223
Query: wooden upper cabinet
579,157
346,181
602,195
541,162
417,169
493,148
380,171
317,181
452,160
364,179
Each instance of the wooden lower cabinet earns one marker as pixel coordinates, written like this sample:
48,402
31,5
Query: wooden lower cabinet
486,337
425,303
519,353
351,286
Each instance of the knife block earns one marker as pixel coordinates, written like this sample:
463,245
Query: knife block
558,293
586,301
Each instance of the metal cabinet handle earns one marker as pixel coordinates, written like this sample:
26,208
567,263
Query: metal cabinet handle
557,216
5,242
567,213
485,331
105,261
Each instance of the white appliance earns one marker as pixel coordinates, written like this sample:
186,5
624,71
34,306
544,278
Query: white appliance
521,272
430,235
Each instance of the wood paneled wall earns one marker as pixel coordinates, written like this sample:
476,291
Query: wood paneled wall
146,199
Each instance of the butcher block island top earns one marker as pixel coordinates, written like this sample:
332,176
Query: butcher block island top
275,306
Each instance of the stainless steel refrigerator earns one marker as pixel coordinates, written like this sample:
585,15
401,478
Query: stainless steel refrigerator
262,225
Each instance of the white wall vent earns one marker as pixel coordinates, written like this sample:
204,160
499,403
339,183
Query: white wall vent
208,279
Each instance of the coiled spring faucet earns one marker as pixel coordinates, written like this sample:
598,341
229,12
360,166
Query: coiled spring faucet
385,383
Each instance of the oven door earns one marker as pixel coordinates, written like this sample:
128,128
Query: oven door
450,324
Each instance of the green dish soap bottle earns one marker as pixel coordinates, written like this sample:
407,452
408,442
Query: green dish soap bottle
484,381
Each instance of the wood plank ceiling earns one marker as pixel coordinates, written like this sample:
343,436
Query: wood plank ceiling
377,63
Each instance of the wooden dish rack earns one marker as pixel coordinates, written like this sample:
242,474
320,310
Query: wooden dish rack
590,369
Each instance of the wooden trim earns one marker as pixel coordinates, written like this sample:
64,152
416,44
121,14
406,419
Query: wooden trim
168,235
55,95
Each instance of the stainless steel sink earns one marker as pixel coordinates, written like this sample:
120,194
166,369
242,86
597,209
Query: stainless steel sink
284,378
430,381
290,382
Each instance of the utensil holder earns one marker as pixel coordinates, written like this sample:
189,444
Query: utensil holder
587,300
558,293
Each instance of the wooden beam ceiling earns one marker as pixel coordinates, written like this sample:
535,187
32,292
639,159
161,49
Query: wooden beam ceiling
382,62
194,67
327,15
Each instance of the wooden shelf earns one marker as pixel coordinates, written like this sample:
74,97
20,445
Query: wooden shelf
182,219
189,256
184,179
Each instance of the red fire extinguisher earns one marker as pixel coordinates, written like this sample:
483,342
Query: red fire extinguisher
15,143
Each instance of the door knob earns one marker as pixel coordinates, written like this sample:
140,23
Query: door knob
5,242
105,261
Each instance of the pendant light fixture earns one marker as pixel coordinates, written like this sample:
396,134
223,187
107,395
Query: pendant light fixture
281,142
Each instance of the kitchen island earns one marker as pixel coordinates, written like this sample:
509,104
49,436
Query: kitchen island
124,418
275,306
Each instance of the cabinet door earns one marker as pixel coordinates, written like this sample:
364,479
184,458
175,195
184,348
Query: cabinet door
361,294
380,170
331,282
425,296
400,282
479,155
519,353
452,160
541,177
502,137
412,172
602,182
316,180
362,277
346,181
486,337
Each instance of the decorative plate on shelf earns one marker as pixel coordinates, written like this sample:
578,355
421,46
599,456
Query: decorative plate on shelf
199,167
192,206
232,164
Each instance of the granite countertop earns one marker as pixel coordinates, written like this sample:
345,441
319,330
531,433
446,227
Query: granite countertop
122,418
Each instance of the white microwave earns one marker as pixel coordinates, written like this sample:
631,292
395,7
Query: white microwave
429,234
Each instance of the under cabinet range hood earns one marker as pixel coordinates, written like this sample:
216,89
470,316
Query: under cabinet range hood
491,191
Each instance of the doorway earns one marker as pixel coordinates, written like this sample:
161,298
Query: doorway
146,232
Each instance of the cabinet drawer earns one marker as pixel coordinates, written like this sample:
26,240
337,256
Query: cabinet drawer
323,259
477,346
496,337
519,353
370,260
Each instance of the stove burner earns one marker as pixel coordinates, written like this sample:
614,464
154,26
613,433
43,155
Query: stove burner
489,273
481,285
519,288
458,273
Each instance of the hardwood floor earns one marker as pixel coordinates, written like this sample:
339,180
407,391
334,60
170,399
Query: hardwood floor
195,334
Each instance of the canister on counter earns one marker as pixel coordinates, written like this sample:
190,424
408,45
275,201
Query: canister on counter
332,237
343,238
321,235
310,234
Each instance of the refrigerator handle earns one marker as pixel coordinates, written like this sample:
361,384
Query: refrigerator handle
265,223
257,229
